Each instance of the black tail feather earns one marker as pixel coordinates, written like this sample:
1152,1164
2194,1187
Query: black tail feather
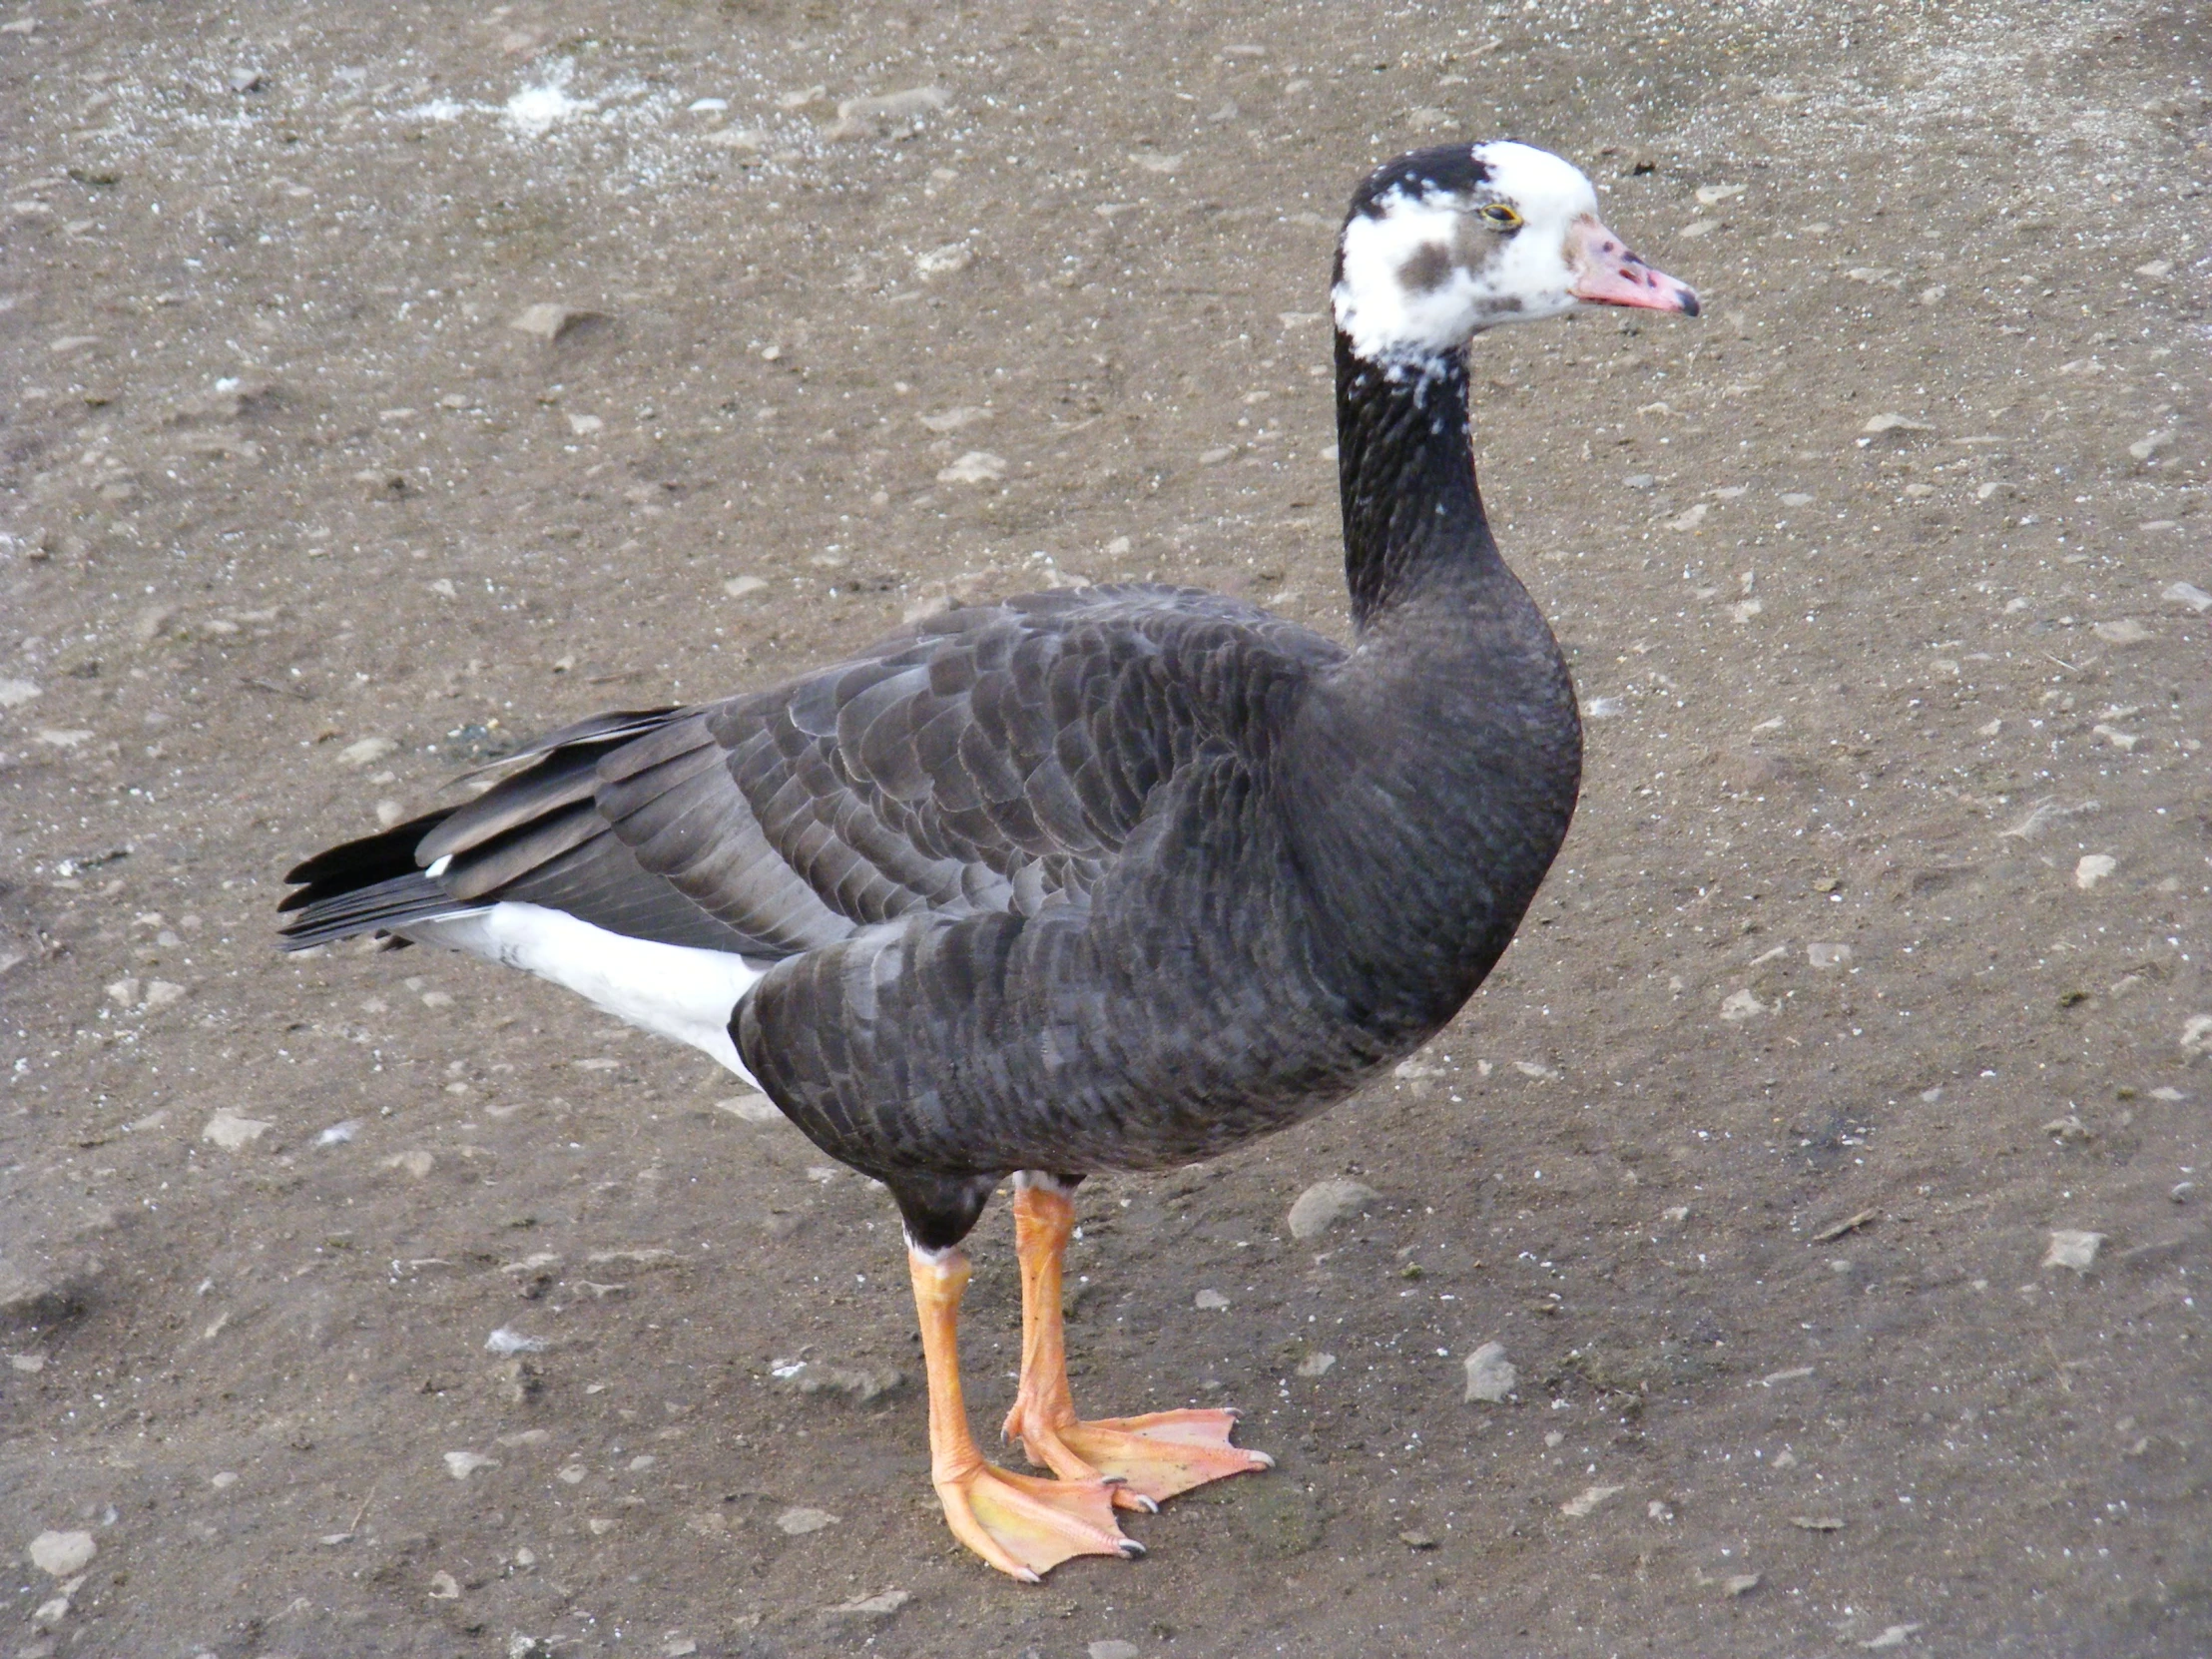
374,858
376,907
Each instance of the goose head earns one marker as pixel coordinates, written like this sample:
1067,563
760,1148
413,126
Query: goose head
1442,244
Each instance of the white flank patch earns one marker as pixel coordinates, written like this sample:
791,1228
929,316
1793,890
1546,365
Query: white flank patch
671,990
1390,319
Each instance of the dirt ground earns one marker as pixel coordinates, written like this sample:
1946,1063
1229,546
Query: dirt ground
390,385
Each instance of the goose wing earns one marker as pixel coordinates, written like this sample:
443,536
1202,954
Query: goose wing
990,760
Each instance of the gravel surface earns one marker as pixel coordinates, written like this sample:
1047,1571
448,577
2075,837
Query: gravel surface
393,384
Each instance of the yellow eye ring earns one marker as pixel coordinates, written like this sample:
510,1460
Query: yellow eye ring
1499,217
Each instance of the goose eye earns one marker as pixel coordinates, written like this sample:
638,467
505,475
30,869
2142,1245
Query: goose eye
1499,217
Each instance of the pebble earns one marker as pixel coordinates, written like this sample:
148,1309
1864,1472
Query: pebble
1741,1583
1827,955
14,693
360,754
1214,457
232,1132
738,586
2143,449
2125,631
860,1386
1894,423
223,1481
1114,1649
2093,867
1324,1204
1639,481
584,425
878,1606
1316,1365
947,261
549,322
1588,1499
461,1465
2071,1248
1894,1636
2196,1035
1796,498
1740,1005
1712,195
160,993
1210,1300
797,1523
977,466
2181,593
63,1554
955,420
1490,1376
909,105
444,1587
505,1343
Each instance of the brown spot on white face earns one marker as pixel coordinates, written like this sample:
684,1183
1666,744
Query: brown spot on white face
1427,270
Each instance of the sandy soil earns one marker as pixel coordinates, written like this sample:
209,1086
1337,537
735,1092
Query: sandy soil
1872,963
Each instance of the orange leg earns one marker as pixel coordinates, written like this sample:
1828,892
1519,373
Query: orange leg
1020,1523
1149,1459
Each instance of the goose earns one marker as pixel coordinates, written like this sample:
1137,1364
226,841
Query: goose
1100,879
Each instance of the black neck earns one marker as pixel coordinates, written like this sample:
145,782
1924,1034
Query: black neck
1406,472
1435,771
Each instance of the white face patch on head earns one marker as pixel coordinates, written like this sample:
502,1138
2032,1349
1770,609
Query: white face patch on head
1427,273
